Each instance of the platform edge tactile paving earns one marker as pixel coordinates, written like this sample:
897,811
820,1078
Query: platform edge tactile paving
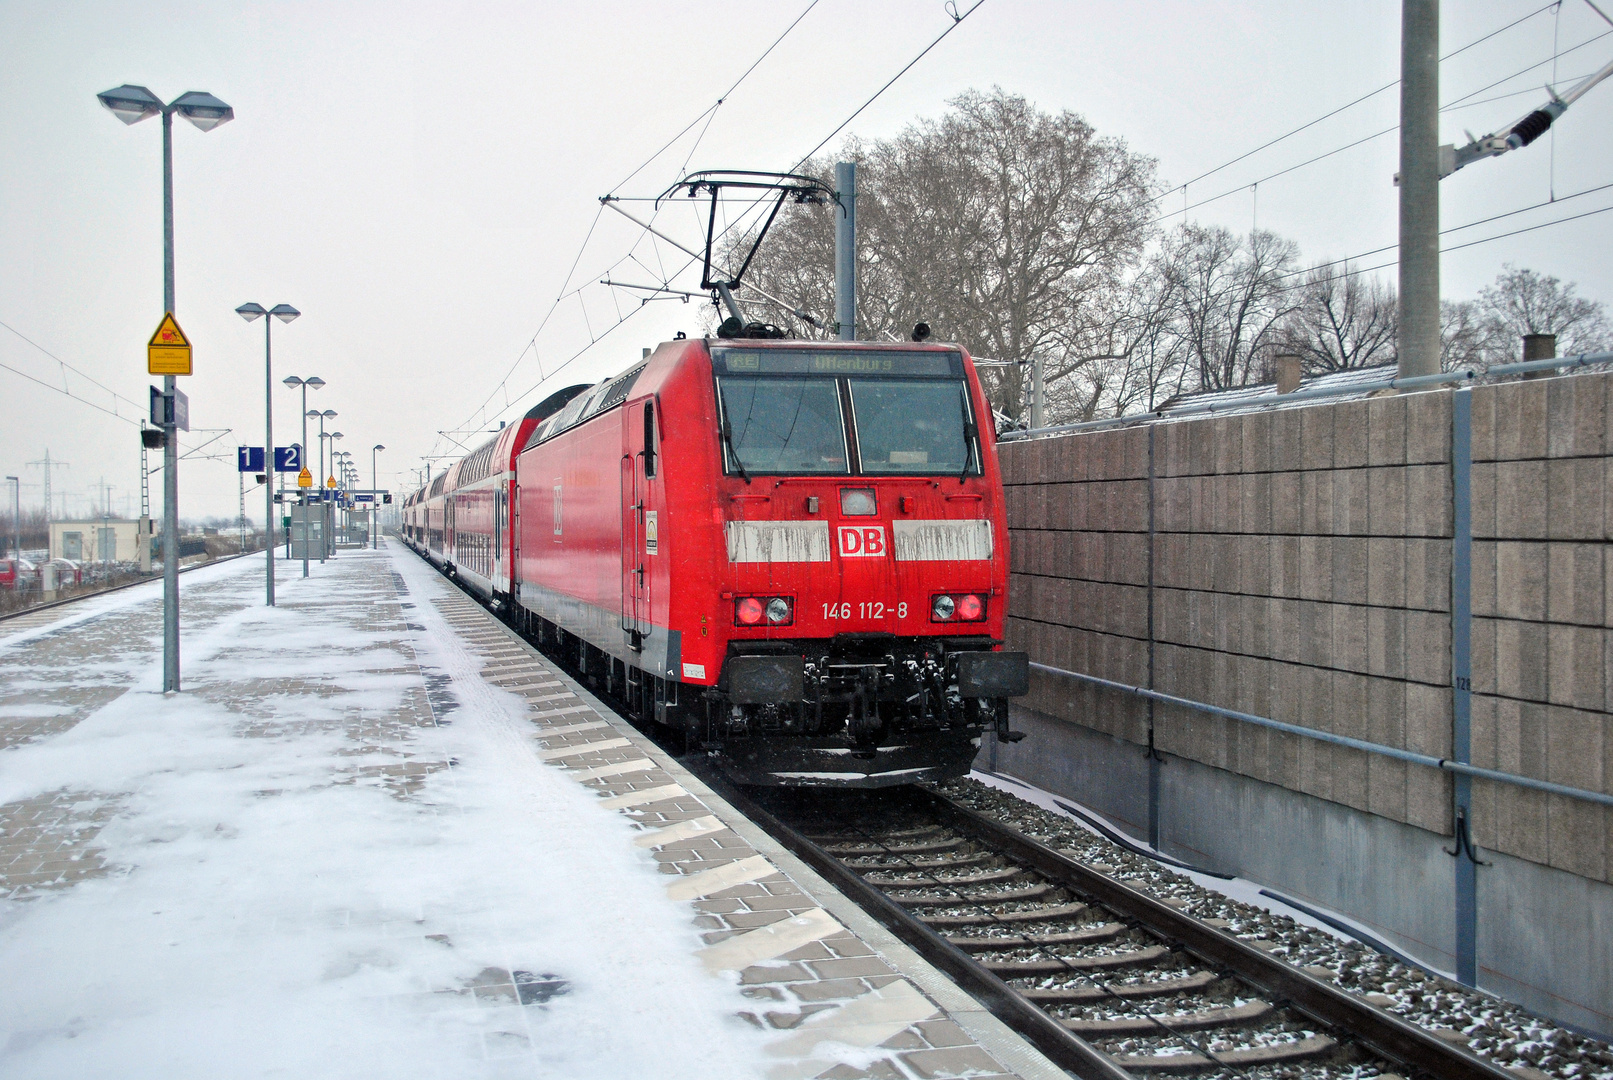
820,968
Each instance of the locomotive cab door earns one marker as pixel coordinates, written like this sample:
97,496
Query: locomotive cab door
639,533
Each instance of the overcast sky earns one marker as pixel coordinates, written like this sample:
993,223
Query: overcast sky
418,179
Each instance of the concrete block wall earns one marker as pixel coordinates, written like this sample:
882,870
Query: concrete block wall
1301,569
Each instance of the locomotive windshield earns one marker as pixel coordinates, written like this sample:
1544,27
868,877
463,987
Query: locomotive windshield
838,412
779,425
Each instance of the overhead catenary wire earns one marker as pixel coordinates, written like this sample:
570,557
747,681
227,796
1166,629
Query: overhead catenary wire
708,114
1348,273
957,19
69,367
1347,106
1229,192
69,393
1457,228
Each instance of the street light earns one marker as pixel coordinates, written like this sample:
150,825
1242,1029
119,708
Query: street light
16,519
132,104
314,382
347,487
319,481
285,313
375,501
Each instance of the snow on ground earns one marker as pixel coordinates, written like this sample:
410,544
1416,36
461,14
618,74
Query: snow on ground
279,904
93,607
1236,888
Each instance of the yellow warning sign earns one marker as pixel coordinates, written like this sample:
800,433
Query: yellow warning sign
305,479
331,482
168,351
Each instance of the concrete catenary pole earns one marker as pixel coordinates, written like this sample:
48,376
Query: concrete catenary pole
846,250
1419,188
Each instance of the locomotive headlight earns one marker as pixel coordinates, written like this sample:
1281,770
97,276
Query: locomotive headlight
858,502
971,608
748,611
778,610
943,607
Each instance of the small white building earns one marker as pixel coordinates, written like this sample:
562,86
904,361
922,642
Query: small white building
107,540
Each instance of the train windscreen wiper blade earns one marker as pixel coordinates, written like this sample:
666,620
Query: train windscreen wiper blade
728,441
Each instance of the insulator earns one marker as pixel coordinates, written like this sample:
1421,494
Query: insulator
1530,127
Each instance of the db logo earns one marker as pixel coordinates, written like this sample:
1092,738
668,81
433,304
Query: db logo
862,541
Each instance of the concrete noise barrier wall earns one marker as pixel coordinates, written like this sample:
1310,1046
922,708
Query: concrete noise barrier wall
1296,563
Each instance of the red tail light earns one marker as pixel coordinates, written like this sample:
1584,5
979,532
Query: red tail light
775,610
959,607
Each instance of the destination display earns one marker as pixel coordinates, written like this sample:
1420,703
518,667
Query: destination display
835,362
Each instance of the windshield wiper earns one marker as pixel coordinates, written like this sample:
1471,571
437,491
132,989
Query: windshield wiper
728,441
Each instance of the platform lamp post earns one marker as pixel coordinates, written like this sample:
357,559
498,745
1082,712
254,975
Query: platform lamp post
313,383
338,470
330,507
341,481
132,104
16,517
285,313
319,479
375,501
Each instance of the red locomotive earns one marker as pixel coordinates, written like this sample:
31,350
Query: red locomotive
792,553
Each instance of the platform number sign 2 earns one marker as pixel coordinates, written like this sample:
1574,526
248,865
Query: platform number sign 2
862,541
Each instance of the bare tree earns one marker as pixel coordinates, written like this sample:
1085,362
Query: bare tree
1134,361
1005,228
1342,320
1525,302
1466,338
1230,300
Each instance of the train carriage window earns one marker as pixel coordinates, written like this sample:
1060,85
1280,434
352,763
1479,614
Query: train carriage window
649,438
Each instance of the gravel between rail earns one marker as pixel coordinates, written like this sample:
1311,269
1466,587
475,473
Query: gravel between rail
1489,1026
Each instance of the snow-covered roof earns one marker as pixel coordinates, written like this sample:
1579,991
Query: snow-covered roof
1225,402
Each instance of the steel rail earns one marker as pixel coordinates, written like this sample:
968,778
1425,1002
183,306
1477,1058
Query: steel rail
115,588
1065,1048
1382,1031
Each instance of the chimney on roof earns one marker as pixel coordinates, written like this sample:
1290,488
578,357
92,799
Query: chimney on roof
1287,373
1539,347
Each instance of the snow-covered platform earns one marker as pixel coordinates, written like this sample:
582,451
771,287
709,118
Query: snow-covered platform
379,835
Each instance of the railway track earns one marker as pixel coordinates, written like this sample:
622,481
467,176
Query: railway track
36,609
1107,981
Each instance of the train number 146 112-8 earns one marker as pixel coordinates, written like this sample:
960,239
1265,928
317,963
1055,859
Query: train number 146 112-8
865,609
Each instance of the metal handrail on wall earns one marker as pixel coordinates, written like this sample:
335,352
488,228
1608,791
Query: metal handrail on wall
1466,375
1428,760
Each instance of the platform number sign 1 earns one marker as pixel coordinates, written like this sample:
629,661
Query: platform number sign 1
249,459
